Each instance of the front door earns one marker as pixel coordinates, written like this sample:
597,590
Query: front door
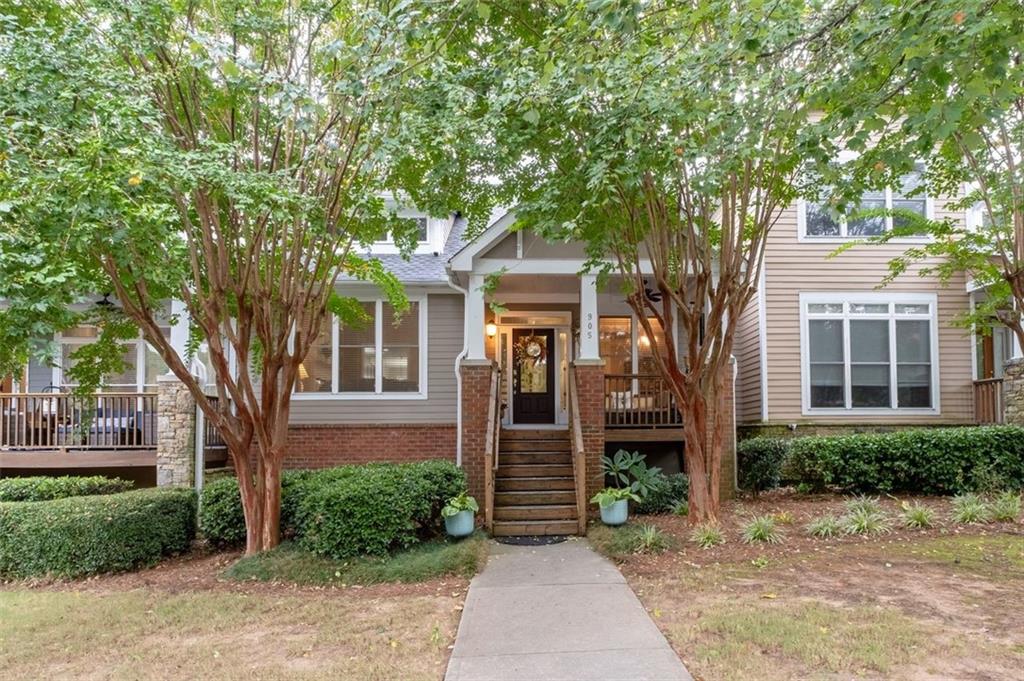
533,375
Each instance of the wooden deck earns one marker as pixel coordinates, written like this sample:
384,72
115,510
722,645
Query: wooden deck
94,458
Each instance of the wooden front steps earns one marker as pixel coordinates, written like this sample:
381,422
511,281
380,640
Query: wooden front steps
534,489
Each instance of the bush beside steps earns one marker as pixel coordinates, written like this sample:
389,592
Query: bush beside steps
80,536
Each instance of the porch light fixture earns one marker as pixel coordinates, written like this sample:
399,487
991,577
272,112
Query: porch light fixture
492,330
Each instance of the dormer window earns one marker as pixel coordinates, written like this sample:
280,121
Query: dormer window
422,233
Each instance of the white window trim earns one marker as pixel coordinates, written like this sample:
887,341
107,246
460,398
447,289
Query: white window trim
337,395
801,221
57,372
868,297
634,336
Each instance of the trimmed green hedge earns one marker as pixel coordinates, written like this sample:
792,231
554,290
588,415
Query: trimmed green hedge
88,535
664,494
926,461
41,488
759,463
344,511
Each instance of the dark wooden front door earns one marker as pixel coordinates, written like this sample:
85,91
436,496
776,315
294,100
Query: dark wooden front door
533,375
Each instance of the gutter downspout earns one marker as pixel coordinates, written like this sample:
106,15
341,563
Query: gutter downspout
458,364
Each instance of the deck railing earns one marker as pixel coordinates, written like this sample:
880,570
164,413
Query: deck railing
988,401
639,401
64,421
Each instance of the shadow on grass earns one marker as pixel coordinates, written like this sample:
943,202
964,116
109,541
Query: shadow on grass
439,558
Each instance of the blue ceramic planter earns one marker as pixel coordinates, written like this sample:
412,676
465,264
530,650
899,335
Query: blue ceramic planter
459,525
616,513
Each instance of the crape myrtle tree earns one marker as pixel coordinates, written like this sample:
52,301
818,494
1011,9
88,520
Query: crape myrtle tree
941,83
668,138
230,155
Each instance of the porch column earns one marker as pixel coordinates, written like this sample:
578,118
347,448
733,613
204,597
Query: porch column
475,318
590,392
175,436
179,331
589,349
476,392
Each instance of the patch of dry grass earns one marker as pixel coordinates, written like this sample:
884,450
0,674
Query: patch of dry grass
150,634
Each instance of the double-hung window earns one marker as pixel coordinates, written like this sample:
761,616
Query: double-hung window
377,358
817,221
142,364
869,351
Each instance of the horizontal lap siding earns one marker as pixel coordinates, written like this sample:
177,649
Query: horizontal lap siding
794,267
444,343
748,359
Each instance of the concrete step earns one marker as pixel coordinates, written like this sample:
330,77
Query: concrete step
534,446
532,498
534,484
512,528
533,470
511,458
539,512
534,434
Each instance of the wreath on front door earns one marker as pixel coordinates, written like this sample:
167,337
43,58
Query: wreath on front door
530,347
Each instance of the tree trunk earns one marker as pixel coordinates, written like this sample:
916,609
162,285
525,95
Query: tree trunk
702,453
261,499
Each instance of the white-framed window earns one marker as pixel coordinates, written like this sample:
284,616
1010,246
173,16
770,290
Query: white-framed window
869,352
142,363
378,360
817,222
422,229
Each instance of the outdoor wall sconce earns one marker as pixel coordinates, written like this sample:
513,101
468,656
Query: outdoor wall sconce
492,330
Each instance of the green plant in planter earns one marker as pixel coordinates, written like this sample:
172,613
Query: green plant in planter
610,495
459,503
629,470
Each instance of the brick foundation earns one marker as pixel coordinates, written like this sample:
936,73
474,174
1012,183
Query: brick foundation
590,392
476,393
325,446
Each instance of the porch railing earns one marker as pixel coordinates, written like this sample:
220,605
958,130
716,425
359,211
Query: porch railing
988,401
579,458
492,445
639,401
64,421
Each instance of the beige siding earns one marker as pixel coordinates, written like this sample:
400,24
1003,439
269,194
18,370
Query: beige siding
444,331
794,267
747,350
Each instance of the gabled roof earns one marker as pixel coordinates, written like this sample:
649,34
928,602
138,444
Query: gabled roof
422,268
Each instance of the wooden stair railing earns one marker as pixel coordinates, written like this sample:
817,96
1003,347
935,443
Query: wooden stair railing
579,459
491,444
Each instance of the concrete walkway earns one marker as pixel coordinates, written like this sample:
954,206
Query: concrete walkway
557,613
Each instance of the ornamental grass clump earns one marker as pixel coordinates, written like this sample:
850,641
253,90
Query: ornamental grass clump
866,521
863,503
969,509
825,527
1006,507
707,535
650,539
918,516
762,529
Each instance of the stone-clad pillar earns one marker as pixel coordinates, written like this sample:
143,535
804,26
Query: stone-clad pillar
176,441
1013,391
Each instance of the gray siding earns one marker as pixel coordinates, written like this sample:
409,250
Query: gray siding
39,376
444,343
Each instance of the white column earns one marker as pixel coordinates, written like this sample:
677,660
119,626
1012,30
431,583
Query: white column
588,317
475,318
179,331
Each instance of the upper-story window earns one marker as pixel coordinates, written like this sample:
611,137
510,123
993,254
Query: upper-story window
817,221
422,230
869,351
376,358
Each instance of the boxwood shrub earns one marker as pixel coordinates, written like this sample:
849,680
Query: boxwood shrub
664,494
87,535
41,488
927,461
375,509
759,463
407,496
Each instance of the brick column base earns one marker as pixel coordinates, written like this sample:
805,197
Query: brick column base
590,392
1013,391
175,440
476,394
